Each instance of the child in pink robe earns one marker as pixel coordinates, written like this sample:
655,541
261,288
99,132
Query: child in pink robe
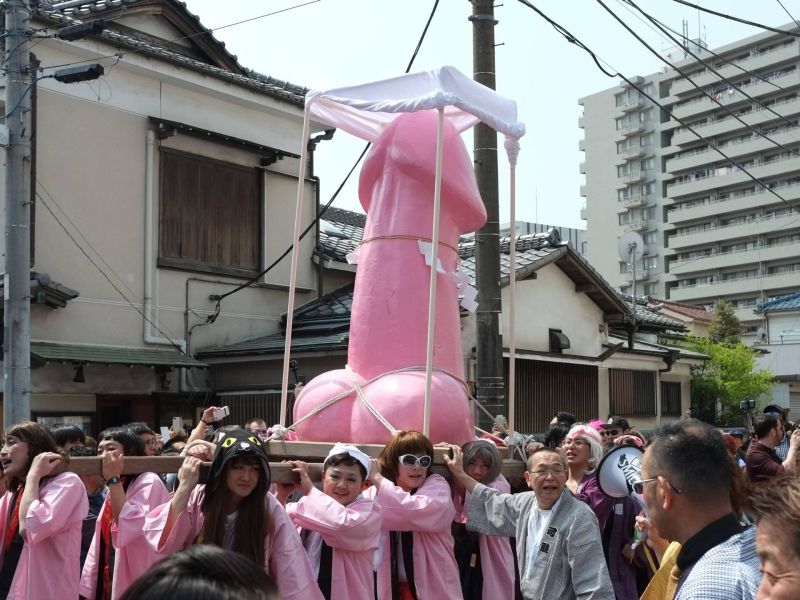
189,517
342,528
416,502
489,572
41,518
132,554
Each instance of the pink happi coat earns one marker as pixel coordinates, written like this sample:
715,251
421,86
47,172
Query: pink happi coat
497,557
428,513
49,566
285,559
133,555
353,532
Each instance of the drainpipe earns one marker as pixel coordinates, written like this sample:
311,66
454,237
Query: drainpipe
312,145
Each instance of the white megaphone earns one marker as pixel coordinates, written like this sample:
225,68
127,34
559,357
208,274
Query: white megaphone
619,470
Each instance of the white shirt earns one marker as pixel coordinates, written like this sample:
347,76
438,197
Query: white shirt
538,521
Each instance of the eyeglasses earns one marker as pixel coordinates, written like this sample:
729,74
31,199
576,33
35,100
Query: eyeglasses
554,471
638,486
410,461
611,432
576,442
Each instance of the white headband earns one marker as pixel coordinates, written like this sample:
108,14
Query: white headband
339,448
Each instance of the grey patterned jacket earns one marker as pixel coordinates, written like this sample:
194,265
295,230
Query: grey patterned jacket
570,564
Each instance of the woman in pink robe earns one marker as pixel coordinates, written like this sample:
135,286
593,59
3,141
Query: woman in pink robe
417,509
486,562
41,518
235,511
341,528
119,552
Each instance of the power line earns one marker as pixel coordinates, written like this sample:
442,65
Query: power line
688,40
710,68
286,252
573,40
737,19
788,13
690,80
105,276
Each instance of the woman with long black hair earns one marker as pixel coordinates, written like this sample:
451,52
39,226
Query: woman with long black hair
40,517
234,510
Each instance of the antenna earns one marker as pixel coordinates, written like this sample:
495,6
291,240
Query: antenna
631,249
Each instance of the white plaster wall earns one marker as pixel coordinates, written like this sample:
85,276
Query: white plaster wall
551,302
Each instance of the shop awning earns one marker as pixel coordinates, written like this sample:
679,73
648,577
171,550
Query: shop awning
111,355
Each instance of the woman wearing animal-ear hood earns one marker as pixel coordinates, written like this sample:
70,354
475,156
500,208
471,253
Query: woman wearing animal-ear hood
234,510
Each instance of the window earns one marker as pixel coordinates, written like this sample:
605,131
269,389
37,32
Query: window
632,392
650,289
646,140
650,262
649,213
670,399
650,237
621,123
648,163
210,215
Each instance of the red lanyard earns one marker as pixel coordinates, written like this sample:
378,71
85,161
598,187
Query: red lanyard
13,525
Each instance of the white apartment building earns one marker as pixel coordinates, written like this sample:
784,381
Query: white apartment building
710,230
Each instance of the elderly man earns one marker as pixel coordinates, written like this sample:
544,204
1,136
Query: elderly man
686,483
762,462
777,507
558,541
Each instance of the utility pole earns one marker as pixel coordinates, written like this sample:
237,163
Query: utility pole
17,313
489,347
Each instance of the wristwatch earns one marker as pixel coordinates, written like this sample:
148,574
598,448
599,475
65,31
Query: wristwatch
113,480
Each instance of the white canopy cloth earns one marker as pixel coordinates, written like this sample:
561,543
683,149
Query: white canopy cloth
365,111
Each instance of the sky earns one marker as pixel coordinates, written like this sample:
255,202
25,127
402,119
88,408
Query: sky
327,44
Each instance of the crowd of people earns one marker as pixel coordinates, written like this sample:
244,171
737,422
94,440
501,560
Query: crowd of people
706,518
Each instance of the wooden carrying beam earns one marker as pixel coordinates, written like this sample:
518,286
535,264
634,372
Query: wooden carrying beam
281,472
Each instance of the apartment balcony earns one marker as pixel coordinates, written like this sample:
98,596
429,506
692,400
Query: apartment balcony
632,152
634,201
583,190
580,121
583,212
729,124
733,150
634,226
731,96
630,104
630,128
582,167
745,257
641,275
633,177
753,63
731,232
582,145
735,286
725,176
715,207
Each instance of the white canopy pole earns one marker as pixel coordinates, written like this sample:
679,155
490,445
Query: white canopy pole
298,211
437,196
512,304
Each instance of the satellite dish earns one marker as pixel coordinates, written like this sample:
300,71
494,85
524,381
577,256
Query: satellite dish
630,242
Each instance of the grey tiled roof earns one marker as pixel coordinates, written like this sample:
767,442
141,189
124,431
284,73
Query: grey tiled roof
274,344
650,317
336,305
50,10
787,302
350,224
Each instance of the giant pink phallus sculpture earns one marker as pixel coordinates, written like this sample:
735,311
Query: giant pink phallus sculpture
387,347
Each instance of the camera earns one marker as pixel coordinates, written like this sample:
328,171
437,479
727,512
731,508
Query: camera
221,413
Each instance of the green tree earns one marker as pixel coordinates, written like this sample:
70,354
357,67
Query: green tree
728,376
725,325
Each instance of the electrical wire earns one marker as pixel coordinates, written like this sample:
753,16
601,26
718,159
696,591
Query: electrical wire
719,57
23,94
786,10
737,19
690,80
105,276
286,252
573,40
712,69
